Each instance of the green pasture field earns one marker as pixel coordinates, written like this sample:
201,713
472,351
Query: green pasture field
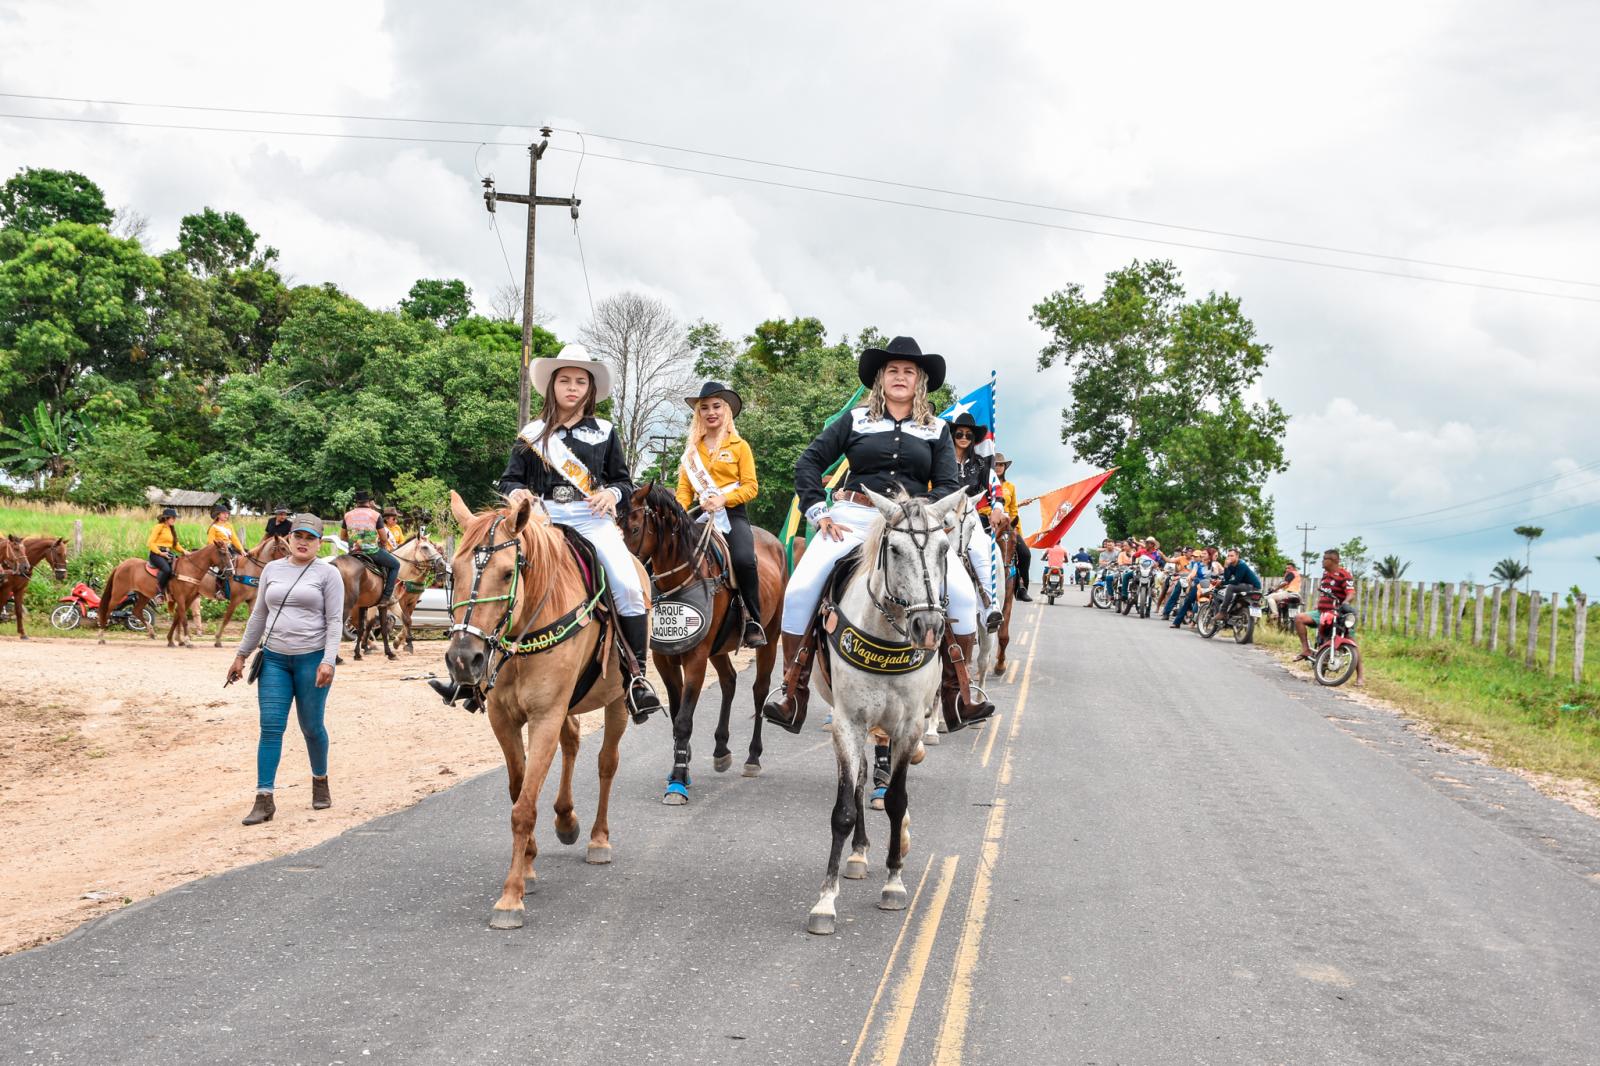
1525,718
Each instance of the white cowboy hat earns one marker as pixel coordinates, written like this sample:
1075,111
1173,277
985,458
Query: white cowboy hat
573,355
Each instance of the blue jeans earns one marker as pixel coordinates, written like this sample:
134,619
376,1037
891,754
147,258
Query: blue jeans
285,679
1188,604
1172,600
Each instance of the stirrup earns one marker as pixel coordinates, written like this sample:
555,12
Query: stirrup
773,709
642,699
757,639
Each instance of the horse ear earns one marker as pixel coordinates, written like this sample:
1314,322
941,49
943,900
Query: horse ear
459,509
940,508
885,506
520,513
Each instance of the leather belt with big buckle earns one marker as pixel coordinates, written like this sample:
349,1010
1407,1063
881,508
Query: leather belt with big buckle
563,494
848,496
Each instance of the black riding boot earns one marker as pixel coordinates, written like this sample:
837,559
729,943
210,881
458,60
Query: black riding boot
754,635
642,699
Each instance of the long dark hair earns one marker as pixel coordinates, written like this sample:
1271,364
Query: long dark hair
548,410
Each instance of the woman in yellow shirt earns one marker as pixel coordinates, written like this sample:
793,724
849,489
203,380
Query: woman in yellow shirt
221,531
163,546
718,472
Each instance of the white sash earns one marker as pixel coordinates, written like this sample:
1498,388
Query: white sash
702,482
558,457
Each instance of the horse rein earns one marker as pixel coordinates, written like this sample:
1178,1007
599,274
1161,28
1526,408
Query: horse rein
920,535
693,563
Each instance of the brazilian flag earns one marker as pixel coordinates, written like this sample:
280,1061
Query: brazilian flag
830,481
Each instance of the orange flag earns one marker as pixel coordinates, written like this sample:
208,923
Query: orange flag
1062,507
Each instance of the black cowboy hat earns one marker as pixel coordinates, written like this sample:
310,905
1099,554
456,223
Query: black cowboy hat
363,497
717,388
167,512
964,420
874,360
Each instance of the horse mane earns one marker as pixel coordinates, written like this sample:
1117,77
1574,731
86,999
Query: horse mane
659,498
543,546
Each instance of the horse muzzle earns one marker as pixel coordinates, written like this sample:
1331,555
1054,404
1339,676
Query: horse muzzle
467,659
923,629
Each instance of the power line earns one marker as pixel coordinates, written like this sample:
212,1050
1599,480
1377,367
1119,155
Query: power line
1347,267
1480,499
1491,529
1034,205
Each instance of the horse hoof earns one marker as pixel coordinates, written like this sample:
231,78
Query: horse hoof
893,899
599,854
752,769
919,754
855,867
566,836
877,797
820,924
500,919
931,738
721,763
393,657
676,795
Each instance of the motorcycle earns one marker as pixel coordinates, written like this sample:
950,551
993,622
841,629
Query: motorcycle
1337,655
1288,607
1142,589
1053,584
1100,596
1081,574
1242,615
83,602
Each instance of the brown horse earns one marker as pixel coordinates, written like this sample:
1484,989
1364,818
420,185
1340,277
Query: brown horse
133,581
422,565
363,588
246,579
1005,538
517,577
25,556
659,532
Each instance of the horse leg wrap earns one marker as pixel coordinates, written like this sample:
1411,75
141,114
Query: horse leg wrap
880,765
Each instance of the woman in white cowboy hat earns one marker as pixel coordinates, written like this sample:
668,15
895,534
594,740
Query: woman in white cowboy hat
573,462
718,471
895,445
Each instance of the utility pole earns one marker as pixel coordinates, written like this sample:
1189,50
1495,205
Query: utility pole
662,442
533,201
1305,546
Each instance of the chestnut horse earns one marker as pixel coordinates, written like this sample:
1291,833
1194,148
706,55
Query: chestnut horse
247,575
422,565
30,553
363,588
1005,538
671,543
133,580
517,578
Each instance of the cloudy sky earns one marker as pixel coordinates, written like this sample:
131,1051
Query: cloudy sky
1463,134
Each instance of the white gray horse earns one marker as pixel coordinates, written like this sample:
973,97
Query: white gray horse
891,614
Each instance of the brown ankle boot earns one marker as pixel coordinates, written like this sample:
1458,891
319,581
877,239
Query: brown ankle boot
786,708
321,799
963,711
263,810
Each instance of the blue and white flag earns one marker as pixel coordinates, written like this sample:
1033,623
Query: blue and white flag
980,405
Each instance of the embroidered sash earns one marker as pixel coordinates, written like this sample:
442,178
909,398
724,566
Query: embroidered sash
701,480
558,457
873,654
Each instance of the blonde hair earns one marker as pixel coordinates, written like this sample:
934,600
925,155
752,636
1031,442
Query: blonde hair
698,431
921,409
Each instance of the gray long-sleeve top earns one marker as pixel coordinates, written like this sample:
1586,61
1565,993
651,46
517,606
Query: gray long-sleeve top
309,616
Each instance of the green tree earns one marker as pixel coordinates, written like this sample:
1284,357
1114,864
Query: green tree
776,343
714,354
118,464
215,242
1528,534
1509,571
442,301
1390,568
1158,391
1353,554
424,500
40,446
33,199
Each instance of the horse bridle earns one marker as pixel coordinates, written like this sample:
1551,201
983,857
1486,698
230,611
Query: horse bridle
920,535
656,521
480,560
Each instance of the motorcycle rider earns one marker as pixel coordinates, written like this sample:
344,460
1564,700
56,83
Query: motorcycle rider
1055,558
1289,586
1200,577
1335,590
1108,563
1237,577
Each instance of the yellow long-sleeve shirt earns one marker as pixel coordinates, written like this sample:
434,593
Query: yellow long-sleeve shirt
163,538
1008,499
733,461
222,533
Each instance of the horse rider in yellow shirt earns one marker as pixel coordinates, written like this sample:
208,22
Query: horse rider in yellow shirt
163,547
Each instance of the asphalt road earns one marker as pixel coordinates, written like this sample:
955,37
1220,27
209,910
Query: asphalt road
1167,850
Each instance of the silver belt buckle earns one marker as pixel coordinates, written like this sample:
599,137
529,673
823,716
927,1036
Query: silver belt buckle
564,494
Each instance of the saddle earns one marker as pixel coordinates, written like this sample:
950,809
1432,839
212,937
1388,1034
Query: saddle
152,571
373,566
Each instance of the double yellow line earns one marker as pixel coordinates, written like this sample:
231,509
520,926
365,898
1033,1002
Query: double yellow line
951,1041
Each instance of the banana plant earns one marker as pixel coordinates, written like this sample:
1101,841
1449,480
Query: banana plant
40,445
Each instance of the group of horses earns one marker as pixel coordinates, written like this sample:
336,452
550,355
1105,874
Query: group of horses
208,572
530,644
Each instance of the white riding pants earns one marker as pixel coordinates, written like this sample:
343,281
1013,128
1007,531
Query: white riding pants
986,561
606,536
816,566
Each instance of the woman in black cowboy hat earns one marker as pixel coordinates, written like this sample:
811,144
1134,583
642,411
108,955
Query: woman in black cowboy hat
718,472
163,547
895,444
973,471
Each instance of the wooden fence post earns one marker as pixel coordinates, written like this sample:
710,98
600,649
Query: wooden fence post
1433,611
1511,621
77,537
1580,626
1405,608
1555,624
1477,616
1533,631
1449,610
1494,621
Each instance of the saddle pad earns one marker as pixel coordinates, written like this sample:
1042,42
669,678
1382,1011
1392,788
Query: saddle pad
681,619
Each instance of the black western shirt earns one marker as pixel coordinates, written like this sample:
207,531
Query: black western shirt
973,473
887,455
592,441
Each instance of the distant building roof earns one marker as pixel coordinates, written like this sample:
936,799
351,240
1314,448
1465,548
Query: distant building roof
180,497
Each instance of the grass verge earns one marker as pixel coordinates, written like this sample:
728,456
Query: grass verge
1524,719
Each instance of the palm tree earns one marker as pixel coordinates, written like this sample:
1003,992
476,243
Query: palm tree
1510,571
1530,534
1390,568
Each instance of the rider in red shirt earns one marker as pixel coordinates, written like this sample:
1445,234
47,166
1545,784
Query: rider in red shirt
1336,590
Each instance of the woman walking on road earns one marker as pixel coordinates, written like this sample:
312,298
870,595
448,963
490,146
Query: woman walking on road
298,625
